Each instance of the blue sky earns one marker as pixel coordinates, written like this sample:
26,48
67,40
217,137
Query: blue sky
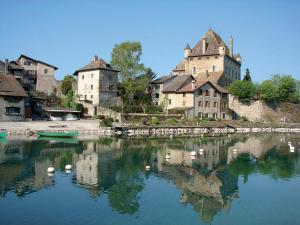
69,33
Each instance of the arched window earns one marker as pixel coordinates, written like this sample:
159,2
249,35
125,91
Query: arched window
213,68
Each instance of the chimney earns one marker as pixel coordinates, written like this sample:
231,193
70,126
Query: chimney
95,58
193,84
231,46
204,45
6,67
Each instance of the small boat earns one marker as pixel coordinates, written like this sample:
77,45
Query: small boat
3,134
61,134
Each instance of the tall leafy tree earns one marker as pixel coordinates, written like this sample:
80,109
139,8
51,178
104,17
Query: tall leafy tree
134,76
66,85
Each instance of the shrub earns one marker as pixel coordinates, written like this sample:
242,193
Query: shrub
154,120
106,122
244,118
153,109
243,90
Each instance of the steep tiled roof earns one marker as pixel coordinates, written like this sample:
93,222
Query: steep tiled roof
9,86
37,61
213,40
180,66
96,64
199,83
162,79
178,82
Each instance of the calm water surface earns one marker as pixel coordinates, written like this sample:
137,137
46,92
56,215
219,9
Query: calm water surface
258,183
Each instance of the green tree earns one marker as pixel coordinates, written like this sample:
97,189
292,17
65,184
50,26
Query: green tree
243,90
287,91
134,76
247,76
268,92
66,85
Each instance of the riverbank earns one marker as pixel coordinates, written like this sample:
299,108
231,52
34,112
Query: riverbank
91,128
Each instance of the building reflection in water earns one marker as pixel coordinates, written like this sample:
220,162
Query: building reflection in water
116,167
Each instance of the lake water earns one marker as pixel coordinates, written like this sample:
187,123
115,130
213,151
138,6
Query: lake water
233,180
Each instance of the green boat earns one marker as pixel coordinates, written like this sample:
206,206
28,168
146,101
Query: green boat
3,134
61,134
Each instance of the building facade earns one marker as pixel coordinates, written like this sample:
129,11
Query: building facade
212,55
37,75
197,98
97,84
12,99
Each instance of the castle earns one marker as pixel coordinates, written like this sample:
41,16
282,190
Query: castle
211,59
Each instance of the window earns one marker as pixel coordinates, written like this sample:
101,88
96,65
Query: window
213,68
85,97
92,87
200,103
215,94
156,95
206,93
194,69
12,111
45,71
91,96
223,115
82,77
215,115
92,75
12,99
26,62
207,104
216,57
216,104
200,114
200,92
199,58
170,102
110,87
183,95
156,103
156,86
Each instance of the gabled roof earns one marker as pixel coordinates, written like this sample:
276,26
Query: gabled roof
162,79
211,76
36,61
9,86
180,66
178,82
96,64
213,40
198,84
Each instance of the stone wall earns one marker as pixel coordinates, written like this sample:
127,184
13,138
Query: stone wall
140,117
4,117
259,111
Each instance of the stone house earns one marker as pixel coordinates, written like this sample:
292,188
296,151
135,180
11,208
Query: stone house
211,55
36,75
157,87
197,97
12,99
97,85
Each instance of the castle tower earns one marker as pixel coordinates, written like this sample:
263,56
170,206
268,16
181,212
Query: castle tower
187,51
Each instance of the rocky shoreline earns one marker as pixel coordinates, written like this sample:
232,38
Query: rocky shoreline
161,131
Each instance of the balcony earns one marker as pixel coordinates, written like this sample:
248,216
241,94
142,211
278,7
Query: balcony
31,74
